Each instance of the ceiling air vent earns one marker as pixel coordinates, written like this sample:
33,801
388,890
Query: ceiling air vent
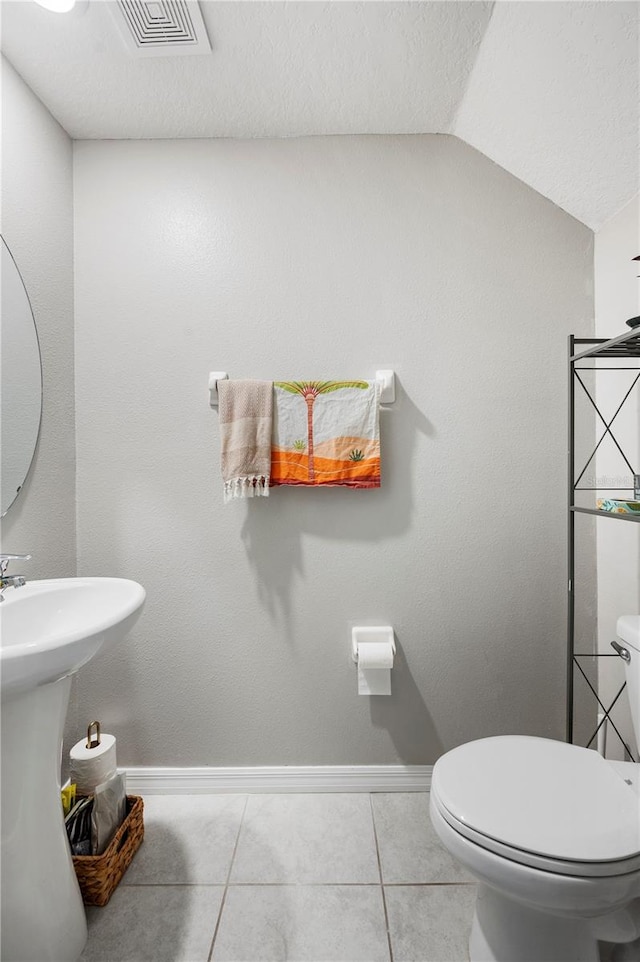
161,28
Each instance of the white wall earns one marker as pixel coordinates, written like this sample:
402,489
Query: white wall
37,224
325,257
617,297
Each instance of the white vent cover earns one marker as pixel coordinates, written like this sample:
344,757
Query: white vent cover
161,28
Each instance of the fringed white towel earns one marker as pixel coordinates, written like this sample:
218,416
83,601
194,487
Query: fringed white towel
246,417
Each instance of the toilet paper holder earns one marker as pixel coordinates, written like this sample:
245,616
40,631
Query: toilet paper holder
382,634
93,726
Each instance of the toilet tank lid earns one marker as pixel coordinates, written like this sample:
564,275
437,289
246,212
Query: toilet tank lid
628,630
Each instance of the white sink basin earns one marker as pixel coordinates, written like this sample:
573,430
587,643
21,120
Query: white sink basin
49,629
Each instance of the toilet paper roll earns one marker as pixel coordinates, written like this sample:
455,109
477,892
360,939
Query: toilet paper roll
89,767
375,661
375,654
374,681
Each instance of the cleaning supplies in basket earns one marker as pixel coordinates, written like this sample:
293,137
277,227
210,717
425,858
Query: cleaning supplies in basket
78,826
108,812
68,798
93,821
99,875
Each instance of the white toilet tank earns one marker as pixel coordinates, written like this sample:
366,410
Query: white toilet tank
628,631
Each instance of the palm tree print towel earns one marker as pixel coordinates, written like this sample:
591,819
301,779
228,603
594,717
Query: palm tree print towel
326,433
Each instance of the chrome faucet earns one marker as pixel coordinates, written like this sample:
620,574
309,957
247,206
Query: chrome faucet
11,581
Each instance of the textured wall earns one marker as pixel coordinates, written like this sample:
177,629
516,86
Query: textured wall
37,223
617,297
312,258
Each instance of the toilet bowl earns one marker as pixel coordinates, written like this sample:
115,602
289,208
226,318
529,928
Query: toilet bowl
551,832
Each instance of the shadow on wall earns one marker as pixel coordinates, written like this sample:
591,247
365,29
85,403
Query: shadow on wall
362,516
408,739
350,519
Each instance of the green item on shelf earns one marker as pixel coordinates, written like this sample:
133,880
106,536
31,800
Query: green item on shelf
619,507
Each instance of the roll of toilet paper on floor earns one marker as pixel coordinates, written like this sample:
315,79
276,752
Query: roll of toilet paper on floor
89,767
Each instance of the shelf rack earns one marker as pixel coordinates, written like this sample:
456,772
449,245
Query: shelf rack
626,347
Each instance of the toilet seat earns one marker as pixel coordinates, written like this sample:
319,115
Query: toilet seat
543,803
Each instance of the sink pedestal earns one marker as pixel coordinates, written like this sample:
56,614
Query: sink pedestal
43,915
49,630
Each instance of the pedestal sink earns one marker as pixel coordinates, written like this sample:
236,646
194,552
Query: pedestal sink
48,630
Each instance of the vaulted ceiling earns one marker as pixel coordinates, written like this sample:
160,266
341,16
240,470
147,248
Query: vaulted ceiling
549,91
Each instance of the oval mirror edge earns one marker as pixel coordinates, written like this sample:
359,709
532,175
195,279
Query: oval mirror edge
27,473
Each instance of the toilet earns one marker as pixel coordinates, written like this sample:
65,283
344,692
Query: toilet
551,832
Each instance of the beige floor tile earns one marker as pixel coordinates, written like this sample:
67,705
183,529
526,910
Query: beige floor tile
307,839
410,850
297,923
154,923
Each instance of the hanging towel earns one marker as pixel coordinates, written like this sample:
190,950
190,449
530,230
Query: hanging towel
246,418
326,433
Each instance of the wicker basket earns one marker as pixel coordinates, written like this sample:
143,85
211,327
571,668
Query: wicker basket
98,875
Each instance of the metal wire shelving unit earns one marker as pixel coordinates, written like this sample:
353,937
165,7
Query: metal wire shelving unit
581,351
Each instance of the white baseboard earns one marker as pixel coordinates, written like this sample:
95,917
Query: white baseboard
307,778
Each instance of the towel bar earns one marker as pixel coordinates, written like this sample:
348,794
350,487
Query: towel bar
387,381
214,377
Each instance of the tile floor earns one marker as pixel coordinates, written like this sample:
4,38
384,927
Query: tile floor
301,878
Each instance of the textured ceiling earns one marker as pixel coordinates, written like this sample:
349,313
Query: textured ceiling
277,69
547,90
554,98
